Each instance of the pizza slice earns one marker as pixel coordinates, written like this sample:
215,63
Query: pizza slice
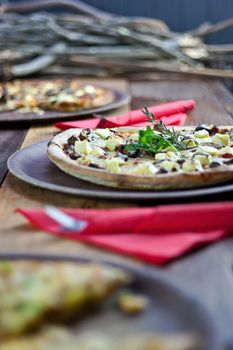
32,293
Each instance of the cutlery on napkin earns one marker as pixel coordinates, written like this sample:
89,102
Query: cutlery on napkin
172,113
156,234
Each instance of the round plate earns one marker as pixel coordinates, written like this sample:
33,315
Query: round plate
32,165
120,98
170,308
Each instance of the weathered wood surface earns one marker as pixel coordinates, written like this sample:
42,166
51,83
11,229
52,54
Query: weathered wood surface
207,273
10,140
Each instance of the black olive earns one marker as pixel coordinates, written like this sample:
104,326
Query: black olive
214,130
229,161
162,171
180,161
133,154
72,140
74,155
214,164
96,166
87,131
203,127
84,134
82,137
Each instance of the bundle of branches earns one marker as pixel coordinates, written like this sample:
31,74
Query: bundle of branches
98,44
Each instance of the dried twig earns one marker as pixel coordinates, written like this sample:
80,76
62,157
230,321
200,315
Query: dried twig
209,28
76,5
45,43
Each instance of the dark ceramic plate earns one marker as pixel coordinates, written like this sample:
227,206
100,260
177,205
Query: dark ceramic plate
120,98
170,309
32,165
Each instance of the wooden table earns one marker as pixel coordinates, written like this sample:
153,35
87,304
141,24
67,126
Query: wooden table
207,273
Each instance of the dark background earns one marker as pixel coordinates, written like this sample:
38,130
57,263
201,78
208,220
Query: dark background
180,15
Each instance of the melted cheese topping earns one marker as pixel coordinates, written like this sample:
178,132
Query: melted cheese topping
104,149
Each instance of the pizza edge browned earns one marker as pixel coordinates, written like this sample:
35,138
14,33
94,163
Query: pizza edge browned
106,178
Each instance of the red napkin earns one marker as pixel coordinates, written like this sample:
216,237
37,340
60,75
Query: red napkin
173,113
156,235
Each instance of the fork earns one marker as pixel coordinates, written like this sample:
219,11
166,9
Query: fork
67,222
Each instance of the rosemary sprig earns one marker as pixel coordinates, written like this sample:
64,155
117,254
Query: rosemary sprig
164,140
176,138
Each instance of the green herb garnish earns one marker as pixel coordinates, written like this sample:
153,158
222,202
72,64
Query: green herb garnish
163,140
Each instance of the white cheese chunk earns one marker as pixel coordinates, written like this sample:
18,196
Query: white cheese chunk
64,98
113,165
204,159
97,151
221,139
90,89
191,165
208,149
225,150
168,155
82,147
112,143
134,137
201,134
103,133
169,165
84,160
172,155
142,169
160,156
189,143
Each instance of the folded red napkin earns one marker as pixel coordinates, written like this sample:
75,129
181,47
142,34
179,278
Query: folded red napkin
156,235
173,113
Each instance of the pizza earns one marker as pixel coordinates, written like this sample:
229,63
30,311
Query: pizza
154,158
34,293
55,95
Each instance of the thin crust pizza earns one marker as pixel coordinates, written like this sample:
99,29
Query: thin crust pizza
56,95
152,159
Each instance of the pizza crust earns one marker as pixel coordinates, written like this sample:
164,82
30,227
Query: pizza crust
128,181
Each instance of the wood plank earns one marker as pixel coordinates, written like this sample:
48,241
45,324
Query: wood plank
10,140
211,106
223,96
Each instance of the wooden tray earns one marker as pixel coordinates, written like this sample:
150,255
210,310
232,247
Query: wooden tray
170,308
32,165
120,98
